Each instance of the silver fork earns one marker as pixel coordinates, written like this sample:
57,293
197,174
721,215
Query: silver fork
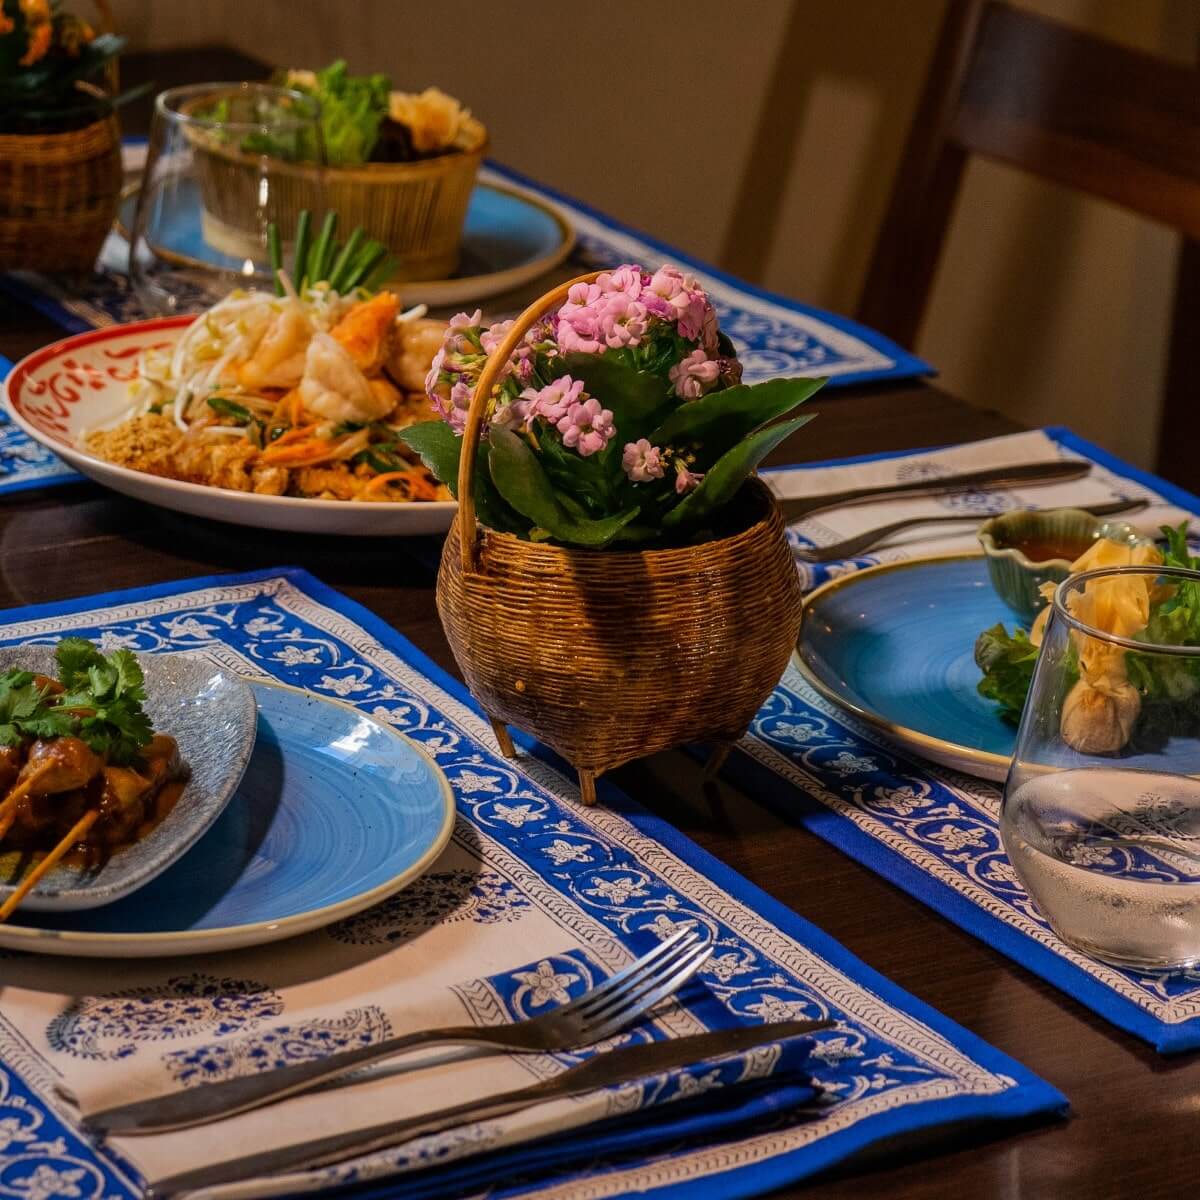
849,547
599,1013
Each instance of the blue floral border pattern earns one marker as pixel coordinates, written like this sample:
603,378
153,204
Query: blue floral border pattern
612,877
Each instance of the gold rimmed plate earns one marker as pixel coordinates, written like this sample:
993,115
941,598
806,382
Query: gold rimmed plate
894,646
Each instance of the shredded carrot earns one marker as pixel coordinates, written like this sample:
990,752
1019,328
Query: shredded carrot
419,486
301,454
283,445
297,406
278,417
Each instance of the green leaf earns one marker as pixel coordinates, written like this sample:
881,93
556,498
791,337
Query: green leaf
638,400
439,448
521,481
719,420
728,473
75,656
230,408
1007,664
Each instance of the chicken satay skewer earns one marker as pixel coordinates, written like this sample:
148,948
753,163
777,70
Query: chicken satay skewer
76,833
8,806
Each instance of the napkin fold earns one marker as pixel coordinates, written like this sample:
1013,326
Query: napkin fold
822,528
462,945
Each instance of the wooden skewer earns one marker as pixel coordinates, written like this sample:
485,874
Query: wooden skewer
8,806
48,863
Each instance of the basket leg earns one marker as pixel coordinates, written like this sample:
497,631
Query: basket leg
718,755
503,737
587,786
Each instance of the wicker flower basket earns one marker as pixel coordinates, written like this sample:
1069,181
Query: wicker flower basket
59,191
607,656
416,209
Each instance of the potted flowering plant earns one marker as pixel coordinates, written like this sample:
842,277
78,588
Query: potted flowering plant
631,588
620,419
60,151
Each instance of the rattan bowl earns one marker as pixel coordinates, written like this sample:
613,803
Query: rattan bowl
606,656
416,209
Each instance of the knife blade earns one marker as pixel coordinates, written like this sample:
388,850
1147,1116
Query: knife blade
991,477
624,1065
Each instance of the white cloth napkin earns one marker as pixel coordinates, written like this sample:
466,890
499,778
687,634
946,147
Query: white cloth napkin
823,528
461,946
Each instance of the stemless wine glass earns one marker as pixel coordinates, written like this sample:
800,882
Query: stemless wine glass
225,161
1101,810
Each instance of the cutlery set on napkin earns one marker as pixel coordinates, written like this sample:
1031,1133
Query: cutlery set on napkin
604,1039
931,502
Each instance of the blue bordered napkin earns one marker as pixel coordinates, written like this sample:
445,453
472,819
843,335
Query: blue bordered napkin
927,829
588,886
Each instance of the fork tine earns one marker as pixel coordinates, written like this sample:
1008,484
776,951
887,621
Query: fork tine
639,977
665,948
672,977
620,1018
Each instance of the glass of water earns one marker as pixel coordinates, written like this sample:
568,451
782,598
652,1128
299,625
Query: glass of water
1101,810
225,161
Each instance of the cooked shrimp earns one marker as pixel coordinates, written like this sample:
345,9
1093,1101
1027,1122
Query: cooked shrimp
415,344
278,360
335,388
366,331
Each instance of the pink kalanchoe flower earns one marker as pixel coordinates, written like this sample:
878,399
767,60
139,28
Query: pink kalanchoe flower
456,342
581,295
694,375
668,282
432,378
578,332
587,427
641,461
685,480
455,412
626,279
623,321
691,315
491,337
552,402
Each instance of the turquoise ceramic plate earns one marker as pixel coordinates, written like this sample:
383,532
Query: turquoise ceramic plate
509,239
895,644
336,811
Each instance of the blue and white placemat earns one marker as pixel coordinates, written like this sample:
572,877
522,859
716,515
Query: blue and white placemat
604,881
24,463
925,828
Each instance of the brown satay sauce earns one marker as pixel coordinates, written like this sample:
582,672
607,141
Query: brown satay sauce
1044,549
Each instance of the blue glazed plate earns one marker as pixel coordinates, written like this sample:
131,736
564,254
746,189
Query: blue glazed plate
336,812
509,239
894,645
210,712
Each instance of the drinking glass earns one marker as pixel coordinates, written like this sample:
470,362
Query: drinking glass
1101,809
225,160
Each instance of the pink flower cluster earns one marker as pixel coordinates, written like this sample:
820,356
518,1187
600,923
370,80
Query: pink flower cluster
619,309
586,426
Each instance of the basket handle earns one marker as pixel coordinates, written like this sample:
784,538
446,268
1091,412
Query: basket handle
467,528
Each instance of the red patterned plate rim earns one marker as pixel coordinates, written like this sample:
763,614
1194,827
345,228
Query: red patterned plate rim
19,377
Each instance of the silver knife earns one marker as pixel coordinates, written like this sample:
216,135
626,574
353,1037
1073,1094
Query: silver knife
945,485
602,1070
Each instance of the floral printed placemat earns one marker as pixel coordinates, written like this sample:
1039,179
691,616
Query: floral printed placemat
932,831
535,898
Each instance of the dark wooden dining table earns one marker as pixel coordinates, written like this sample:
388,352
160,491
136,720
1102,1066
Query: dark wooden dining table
1134,1114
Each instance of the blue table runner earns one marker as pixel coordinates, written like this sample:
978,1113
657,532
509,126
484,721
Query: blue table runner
891,1067
934,833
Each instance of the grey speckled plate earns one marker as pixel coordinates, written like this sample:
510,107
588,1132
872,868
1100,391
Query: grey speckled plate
212,714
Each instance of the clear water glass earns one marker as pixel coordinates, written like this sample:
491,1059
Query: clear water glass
225,160
1101,809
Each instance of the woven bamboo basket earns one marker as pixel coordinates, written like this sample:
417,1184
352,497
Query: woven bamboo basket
416,209
607,656
59,191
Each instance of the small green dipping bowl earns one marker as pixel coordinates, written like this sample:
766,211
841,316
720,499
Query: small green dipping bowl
1016,577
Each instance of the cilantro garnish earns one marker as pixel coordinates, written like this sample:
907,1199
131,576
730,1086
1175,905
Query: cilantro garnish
102,704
